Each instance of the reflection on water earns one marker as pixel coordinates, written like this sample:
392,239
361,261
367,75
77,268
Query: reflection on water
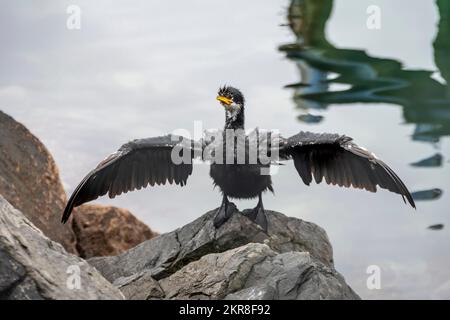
432,194
425,101
433,161
439,226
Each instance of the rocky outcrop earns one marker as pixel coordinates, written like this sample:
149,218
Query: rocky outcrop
107,231
34,267
29,180
237,261
294,260
254,272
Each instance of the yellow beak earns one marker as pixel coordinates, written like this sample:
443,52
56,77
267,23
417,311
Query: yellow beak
224,100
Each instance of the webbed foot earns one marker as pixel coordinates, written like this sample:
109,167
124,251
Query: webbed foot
224,212
258,215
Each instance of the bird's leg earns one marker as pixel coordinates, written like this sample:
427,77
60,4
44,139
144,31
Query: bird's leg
224,212
258,215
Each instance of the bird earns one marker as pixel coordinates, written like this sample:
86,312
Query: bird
333,158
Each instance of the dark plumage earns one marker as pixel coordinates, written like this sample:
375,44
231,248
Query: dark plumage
330,157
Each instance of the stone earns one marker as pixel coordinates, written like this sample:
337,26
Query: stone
107,231
140,287
33,267
29,180
294,260
256,272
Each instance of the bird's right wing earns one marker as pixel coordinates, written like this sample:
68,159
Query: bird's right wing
339,161
135,165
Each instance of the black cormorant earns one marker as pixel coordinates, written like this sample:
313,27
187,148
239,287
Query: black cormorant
332,157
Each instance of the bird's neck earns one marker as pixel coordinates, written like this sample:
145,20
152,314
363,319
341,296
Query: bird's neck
234,120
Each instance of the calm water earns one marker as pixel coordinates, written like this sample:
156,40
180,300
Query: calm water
147,68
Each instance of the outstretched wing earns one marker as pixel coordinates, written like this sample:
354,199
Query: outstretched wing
338,160
135,165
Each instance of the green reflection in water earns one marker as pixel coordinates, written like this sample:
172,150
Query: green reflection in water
425,101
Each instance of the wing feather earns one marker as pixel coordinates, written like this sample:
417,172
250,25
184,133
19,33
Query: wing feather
339,161
134,166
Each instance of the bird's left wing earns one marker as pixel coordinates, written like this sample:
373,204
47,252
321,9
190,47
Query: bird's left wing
135,165
338,160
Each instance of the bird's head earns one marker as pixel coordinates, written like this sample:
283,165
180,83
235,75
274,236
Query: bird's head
233,101
230,98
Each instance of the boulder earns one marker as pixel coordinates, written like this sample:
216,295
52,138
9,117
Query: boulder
29,180
34,267
256,272
294,260
107,231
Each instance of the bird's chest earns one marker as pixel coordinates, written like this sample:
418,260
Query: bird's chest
239,180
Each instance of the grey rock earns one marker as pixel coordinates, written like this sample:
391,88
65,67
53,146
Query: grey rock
168,252
34,267
141,286
254,272
214,275
294,260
